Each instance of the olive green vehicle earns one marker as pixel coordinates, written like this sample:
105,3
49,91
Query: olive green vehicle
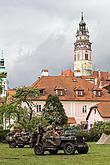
67,142
15,139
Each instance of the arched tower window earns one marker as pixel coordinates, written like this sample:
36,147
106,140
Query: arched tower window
78,57
86,56
75,57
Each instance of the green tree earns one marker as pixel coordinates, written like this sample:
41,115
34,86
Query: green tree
12,111
2,76
33,123
15,110
54,112
26,95
101,126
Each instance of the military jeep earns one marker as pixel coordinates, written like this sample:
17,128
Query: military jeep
15,139
67,142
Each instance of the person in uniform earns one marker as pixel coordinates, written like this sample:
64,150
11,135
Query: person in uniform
40,133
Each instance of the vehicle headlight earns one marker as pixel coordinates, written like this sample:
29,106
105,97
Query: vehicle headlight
10,138
75,138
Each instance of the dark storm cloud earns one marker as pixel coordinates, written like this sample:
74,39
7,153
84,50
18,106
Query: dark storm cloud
37,34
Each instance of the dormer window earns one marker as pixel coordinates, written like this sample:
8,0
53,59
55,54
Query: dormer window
60,92
80,92
42,91
97,93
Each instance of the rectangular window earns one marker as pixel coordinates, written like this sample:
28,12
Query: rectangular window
38,108
97,93
95,111
84,109
1,63
80,92
41,91
75,57
91,125
78,56
59,92
86,56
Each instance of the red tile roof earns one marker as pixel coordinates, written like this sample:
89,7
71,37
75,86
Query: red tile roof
103,77
103,108
71,120
67,73
96,88
101,74
68,83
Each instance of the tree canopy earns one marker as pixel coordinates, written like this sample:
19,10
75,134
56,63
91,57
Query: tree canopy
26,95
54,112
15,110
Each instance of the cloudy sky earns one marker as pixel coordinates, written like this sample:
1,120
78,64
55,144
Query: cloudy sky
37,34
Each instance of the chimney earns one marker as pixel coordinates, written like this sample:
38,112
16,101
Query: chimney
44,72
100,85
77,73
99,73
95,81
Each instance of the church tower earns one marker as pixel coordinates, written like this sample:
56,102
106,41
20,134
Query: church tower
82,51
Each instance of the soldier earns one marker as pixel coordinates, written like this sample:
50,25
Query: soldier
54,133
50,135
18,134
40,133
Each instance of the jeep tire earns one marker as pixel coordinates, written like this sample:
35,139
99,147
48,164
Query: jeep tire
69,148
12,144
83,150
38,149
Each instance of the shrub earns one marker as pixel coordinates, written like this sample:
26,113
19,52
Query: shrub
3,134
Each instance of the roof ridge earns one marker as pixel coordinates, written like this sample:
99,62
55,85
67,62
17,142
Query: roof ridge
36,82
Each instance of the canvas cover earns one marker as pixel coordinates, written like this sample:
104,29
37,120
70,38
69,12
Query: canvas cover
104,139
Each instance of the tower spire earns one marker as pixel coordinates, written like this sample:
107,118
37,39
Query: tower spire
82,16
82,24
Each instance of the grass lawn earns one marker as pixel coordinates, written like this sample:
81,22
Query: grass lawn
97,155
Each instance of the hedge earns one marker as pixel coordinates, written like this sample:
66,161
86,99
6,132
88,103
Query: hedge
90,135
3,134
